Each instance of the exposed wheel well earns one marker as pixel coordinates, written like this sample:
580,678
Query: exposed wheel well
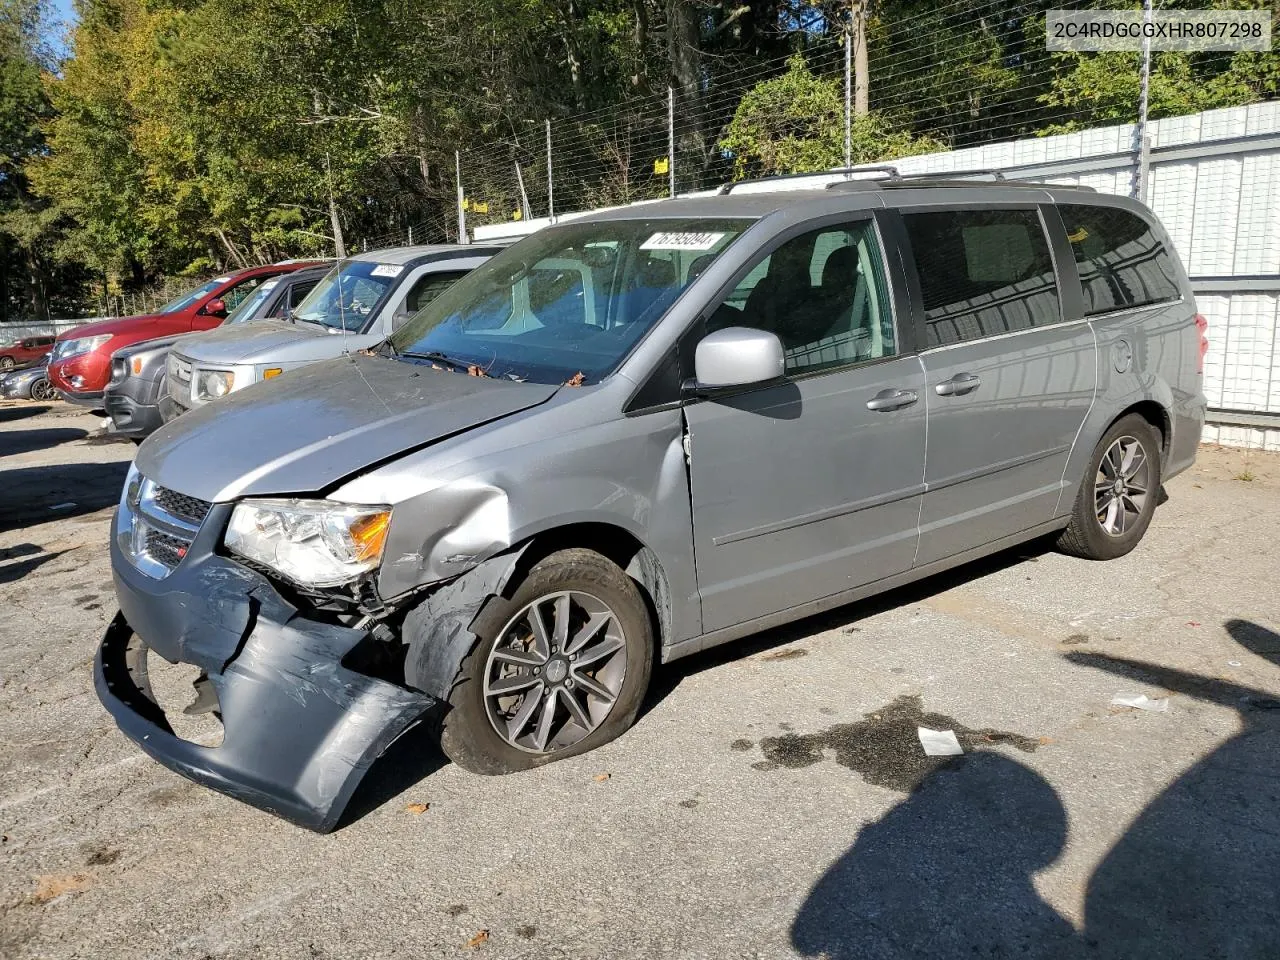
618,545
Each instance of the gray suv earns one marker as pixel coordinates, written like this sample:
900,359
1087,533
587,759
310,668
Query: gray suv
629,438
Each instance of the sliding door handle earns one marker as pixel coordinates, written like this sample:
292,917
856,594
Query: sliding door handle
958,385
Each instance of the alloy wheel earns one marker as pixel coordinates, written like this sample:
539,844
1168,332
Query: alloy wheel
1122,486
42,390
556,672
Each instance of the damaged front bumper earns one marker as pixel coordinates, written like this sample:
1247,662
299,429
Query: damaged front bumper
300,729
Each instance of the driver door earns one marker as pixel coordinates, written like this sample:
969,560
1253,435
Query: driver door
811,486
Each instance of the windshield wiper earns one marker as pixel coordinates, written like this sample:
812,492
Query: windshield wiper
435,356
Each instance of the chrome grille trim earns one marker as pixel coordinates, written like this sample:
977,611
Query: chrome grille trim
156,531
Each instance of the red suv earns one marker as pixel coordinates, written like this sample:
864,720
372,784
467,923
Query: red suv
81,363
24,351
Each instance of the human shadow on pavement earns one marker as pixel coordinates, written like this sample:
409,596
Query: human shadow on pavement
1198,872
948,872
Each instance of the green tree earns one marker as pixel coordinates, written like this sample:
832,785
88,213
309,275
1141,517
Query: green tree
795,123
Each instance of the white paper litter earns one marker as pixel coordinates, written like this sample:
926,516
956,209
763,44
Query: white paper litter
939,743
64,506
1140,701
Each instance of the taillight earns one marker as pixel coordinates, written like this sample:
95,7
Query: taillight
1203,326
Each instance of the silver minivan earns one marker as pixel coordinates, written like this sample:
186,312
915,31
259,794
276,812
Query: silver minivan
629,438
358,304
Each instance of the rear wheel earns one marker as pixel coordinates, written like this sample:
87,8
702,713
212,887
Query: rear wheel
1118,495
560,668
42,390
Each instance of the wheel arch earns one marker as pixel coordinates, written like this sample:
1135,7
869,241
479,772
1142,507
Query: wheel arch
616,544
1155,414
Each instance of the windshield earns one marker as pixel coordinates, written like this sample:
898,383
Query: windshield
187,299
249,306
567,303
349,294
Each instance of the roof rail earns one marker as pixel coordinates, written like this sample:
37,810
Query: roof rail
890,171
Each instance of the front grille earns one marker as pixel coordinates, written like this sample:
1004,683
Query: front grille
178,371
190,509
165,549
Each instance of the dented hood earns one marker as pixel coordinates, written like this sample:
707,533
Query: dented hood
305,431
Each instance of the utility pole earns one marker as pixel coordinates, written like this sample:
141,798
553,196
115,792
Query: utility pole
671,139
551,196
848,98
339,245
411,235
525,211
462,214
1143,141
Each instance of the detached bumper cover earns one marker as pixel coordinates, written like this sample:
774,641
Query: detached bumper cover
299,729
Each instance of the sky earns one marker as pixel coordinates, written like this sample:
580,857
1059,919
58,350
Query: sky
61,15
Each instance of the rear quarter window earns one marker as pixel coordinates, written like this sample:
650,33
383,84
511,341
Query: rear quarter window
1122,264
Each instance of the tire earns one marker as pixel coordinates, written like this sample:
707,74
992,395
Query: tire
6,363
1103,525
42,390
598,592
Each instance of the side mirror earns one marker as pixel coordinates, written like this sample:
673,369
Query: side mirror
738,357
216,308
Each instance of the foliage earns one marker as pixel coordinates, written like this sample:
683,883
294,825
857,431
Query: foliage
795,123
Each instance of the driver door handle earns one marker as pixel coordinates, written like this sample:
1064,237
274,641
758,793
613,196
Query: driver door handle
892,399
958,385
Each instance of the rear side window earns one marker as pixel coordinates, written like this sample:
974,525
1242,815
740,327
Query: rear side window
982,273
1121,262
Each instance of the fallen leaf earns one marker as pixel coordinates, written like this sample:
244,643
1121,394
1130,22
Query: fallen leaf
50,886
601,777
1045,741
417,808
481,936
577,380
1193,623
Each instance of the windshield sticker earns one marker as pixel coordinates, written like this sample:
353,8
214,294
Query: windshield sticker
682,241
269,284
387,270
221,279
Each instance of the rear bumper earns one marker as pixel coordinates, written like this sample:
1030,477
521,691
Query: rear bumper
300,730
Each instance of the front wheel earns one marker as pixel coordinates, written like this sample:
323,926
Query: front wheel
1118,494
560,668
6,363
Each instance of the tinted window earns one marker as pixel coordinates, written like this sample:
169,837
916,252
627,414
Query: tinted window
982,273
1121,262
823,293
425,289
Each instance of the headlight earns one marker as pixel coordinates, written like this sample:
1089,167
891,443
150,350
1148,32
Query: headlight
212,384
74,348
119,369
314,543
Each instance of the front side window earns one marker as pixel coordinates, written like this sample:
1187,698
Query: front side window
824,294
236,295
425,289
1121,262
566,301
982,273
249,305
195,296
